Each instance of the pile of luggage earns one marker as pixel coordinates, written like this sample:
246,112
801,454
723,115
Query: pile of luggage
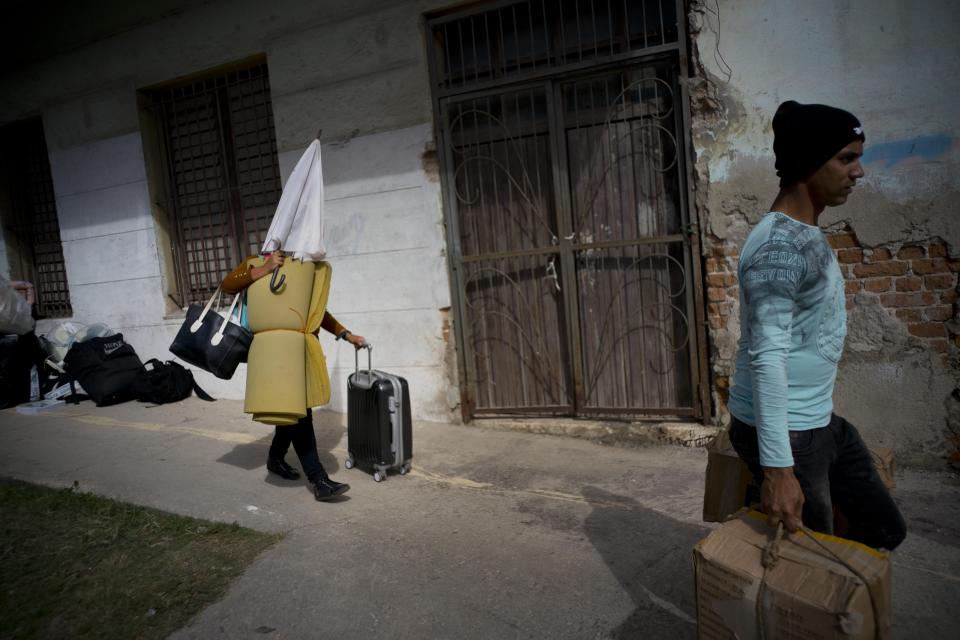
107,370
74,362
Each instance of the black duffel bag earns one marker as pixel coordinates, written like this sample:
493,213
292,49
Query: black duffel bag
166,382
208,341
105,367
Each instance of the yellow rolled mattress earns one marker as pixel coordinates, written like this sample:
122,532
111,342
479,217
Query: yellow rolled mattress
286,370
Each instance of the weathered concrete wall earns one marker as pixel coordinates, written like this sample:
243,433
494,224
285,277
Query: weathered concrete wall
357,70
897,66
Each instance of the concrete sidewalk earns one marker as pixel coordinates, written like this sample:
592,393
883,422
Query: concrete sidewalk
495,534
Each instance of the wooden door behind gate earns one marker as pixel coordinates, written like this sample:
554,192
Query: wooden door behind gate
499,150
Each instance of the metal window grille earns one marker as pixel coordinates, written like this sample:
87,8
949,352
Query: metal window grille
37,252
222,172
520,40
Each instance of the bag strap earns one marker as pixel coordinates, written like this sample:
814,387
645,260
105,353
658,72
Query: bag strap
74,397
197,389
199,323
218,336
237,304
203,395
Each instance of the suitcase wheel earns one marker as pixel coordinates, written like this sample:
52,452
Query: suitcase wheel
404,469
348,463
379,476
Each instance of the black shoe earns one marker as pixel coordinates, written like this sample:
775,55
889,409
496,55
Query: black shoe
282,469
326,489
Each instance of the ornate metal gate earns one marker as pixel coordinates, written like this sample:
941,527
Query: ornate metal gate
570,247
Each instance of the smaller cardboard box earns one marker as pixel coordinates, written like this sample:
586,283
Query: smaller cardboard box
729,484
884,463
805,593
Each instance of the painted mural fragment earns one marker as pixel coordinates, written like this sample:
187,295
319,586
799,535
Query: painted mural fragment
929,148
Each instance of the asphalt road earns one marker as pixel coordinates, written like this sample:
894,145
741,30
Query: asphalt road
494,534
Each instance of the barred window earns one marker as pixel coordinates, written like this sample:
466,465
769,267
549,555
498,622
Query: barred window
530,38
31,227
221,173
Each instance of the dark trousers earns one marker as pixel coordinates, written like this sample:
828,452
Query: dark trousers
834,468
304,443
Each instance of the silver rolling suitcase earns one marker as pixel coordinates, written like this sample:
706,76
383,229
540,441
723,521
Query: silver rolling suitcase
379,426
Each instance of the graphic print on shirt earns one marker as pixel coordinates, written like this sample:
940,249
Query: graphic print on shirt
774,276
832,329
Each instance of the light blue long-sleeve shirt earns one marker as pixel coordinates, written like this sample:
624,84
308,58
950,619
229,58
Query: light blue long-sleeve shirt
793,322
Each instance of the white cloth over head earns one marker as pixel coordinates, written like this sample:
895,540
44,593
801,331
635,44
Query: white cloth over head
297,226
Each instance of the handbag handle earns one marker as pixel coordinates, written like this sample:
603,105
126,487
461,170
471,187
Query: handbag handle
199,323
218,336
238,309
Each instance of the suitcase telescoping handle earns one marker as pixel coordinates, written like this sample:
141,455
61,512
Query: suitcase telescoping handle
356,359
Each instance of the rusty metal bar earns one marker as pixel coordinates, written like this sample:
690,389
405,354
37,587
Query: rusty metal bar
476,63
611,244
533,39
541,251
664,413
463,59
546,31
446,82
698,356
559,409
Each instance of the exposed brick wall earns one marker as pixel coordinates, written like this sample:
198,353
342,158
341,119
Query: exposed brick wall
722,293
918,284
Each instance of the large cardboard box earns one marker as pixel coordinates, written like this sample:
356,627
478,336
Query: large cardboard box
806,593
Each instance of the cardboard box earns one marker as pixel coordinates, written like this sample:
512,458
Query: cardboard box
729,484
885,465
806,593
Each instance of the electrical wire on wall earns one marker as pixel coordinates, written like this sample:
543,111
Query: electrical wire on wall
718,58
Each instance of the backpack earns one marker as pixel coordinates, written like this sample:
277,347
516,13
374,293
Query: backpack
105,367
166,382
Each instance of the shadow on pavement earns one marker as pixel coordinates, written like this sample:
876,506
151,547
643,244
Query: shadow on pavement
651,556
252,455
249,456
328,437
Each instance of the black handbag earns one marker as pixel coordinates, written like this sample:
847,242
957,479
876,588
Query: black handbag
208,341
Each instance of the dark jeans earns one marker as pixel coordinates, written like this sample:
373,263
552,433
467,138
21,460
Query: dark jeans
834,468
304,443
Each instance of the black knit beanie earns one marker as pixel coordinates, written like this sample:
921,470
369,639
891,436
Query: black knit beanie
805,136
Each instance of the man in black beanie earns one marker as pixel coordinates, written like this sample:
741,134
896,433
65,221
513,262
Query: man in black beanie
793,318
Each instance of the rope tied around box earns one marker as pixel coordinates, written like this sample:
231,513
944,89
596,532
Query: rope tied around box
771,555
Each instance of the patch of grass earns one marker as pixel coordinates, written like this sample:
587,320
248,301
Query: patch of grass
74,565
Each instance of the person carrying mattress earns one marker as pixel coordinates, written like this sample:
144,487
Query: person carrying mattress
298,227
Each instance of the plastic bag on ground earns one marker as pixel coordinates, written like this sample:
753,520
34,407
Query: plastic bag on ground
63,336
15,316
